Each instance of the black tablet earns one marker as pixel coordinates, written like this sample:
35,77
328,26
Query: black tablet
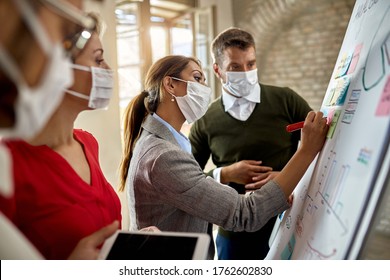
143,245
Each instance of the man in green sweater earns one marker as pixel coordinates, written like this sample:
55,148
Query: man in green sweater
244,131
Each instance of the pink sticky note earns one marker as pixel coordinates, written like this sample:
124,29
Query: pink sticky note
355,58
383,108
330,115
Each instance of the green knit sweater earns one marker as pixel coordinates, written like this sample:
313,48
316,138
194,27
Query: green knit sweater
262,136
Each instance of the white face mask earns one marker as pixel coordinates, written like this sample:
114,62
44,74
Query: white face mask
35,105
102,87
194,104
241,84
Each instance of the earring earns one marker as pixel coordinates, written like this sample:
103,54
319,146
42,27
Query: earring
172,99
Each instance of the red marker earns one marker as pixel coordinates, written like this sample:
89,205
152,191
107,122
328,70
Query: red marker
299,125
294,126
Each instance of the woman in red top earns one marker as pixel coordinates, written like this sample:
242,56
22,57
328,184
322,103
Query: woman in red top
61,194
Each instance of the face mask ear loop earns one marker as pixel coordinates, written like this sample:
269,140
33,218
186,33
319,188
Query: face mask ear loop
179,79
81,67
174,78
9,67
77,94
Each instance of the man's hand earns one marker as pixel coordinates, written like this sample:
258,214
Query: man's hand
88,248
290,199
260,180
244,172
150,229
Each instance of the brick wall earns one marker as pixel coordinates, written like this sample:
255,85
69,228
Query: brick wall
297,41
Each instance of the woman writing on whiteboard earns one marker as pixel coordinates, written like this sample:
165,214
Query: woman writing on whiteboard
165,185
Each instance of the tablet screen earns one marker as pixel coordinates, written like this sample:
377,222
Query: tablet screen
152,247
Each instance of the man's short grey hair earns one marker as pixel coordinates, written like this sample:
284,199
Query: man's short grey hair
231,37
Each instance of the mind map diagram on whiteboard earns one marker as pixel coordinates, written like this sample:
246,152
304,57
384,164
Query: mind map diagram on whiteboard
331,197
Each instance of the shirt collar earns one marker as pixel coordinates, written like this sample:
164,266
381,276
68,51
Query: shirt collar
229,100
181,139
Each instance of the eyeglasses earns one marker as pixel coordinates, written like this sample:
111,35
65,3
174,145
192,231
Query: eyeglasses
75,42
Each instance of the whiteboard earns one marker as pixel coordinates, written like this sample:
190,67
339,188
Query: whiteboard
335,199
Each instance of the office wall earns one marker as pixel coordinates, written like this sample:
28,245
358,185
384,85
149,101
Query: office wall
223,15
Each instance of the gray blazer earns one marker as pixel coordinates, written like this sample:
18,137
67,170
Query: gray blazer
167,188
